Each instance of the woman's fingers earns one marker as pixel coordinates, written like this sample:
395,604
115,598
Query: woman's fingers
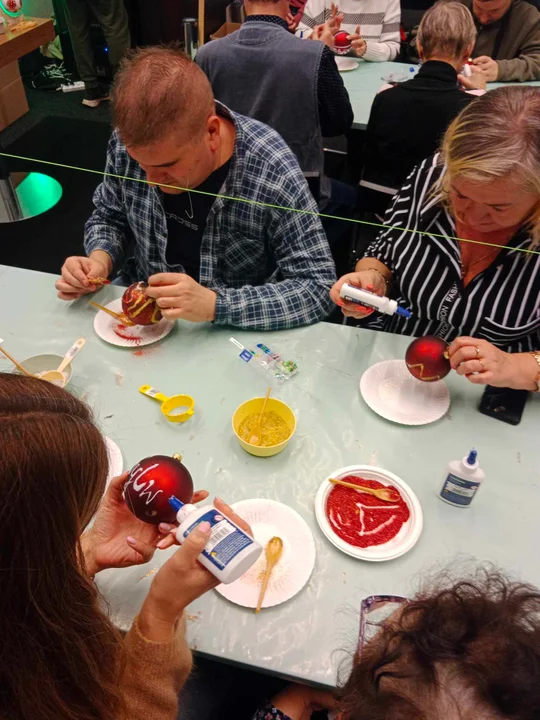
145,550
471,366
199,496
227,510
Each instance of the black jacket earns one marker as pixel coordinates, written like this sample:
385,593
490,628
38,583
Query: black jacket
407,123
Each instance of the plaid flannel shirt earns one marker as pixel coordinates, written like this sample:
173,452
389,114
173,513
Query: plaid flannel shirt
270,268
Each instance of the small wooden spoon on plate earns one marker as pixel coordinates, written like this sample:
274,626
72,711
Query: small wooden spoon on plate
385,494
273,554
119,316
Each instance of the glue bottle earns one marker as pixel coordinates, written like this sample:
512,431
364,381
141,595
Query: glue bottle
463,480
229,552
354,294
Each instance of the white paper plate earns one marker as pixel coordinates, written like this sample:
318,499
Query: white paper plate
344,64
393,393
268,518
104,325
116,461
406,538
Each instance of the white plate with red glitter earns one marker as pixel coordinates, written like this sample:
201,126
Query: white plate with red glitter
393,393
133,336
267,519
348,517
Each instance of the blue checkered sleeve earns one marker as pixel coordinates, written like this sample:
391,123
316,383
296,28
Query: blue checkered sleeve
106,227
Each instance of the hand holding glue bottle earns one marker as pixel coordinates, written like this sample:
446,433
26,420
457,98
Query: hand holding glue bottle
363,292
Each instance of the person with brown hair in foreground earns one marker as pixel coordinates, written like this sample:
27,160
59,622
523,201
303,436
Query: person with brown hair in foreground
212,205
61,657
466,650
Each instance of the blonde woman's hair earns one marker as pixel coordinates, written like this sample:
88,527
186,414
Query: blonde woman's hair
447,30
497,137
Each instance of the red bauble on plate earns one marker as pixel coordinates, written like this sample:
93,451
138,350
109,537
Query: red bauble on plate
138,307
150,485
342,44
426,360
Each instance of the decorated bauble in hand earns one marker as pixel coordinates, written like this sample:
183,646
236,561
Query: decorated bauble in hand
138,307
426,358
342,44
152,482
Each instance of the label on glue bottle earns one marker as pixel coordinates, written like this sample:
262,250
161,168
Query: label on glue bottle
226,540
229,551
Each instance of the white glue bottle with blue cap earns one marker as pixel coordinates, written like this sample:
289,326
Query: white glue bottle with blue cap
229,552
382,304
463,480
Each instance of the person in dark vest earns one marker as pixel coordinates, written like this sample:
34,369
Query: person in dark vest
250,72
408,120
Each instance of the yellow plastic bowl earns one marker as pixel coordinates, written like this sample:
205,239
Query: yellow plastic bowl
255,406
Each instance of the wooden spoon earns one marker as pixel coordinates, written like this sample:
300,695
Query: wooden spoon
255,438
57,376
17,364
273,554
385,494
119,316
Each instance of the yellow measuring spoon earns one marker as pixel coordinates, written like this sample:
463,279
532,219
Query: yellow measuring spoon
171,406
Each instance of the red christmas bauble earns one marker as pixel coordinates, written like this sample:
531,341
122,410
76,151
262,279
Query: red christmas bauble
342,44
425,358
150,485
138,307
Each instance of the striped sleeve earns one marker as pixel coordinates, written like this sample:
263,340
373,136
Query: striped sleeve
315,13
387,47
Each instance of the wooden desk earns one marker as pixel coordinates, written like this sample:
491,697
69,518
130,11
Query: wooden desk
14,45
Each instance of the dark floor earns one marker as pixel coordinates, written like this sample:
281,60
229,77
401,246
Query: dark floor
57,129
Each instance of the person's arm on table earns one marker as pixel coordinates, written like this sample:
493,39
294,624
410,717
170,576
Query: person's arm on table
335,110
491,366
105,233
524,68
300,249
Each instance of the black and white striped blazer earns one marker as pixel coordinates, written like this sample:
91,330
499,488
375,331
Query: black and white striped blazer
501,304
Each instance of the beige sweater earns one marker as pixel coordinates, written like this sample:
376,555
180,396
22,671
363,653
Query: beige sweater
154,674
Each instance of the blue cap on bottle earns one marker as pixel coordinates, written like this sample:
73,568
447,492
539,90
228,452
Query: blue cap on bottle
472,457
403,312
176,503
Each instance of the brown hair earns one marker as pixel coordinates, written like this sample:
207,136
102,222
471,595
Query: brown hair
159,91
497,137
446,30
60,655
467,650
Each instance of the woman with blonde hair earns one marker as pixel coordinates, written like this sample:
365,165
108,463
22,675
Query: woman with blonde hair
461,246
61,657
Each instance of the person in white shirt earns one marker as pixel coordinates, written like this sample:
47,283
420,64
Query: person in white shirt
373,25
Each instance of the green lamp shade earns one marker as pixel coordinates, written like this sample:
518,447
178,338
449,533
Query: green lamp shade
38,193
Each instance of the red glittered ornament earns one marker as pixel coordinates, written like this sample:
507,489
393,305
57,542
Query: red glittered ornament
426,359
138,307
150,485
342,44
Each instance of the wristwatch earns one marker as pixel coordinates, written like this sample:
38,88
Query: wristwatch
536,356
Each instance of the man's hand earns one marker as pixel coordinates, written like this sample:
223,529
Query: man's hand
180,297
117,538
358,44
489,66
292,21
477,80
76,272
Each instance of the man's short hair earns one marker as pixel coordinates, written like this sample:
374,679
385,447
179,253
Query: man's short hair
159,91
446,30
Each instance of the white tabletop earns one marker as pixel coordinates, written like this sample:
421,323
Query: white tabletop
335,428
364,83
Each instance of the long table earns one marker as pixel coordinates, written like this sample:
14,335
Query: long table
364,83
298,639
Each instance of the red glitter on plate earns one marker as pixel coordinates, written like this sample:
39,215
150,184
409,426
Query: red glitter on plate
123,332
363,520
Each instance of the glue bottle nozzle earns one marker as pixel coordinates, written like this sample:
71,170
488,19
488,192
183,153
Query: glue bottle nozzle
472,457
175,503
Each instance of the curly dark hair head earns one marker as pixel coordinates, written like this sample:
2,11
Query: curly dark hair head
470,651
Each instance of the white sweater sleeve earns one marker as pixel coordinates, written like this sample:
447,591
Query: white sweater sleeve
387,47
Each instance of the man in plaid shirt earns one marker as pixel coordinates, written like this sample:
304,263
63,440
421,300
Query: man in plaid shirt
240,259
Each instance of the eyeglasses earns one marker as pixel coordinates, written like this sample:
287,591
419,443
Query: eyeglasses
374,611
